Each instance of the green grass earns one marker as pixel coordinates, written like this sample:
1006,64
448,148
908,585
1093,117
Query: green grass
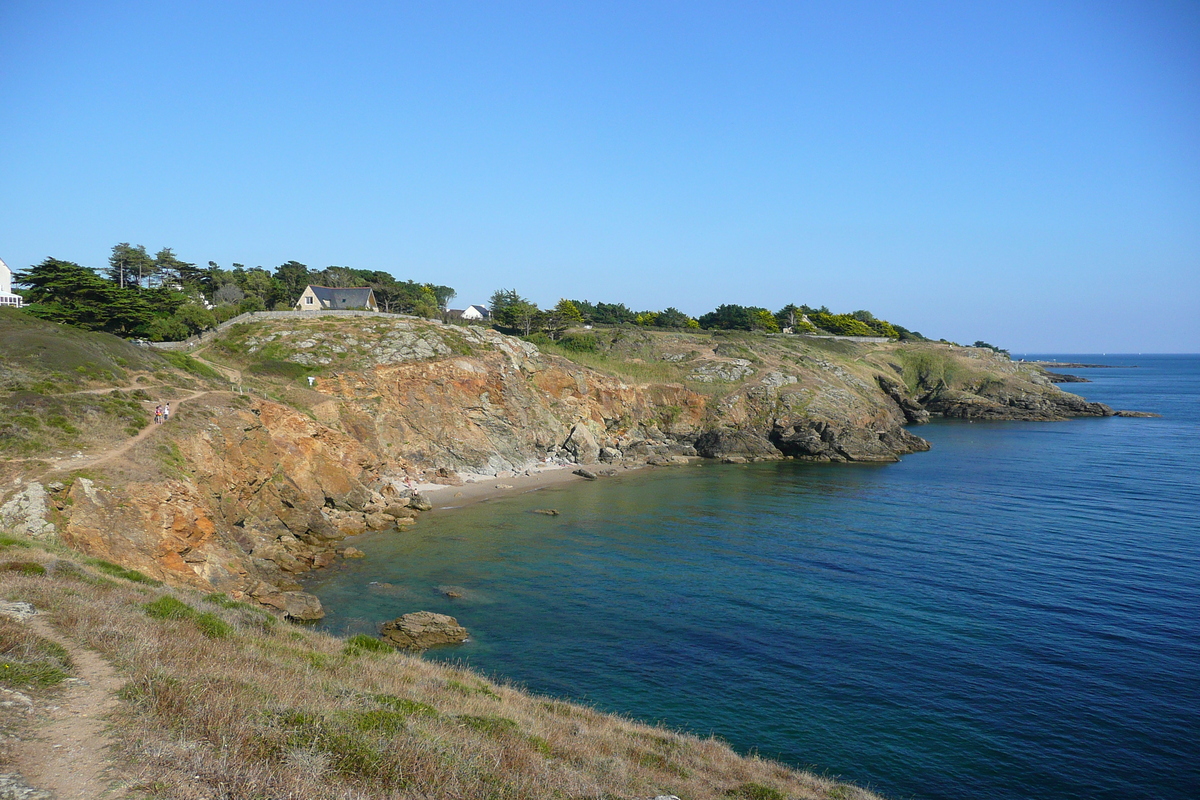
410,707
28,661
121,572
23,567
756,791
190,365
361,643
168,607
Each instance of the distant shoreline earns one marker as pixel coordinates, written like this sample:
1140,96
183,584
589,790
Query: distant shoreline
1075,365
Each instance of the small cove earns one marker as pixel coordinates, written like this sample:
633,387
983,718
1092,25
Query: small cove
1009,615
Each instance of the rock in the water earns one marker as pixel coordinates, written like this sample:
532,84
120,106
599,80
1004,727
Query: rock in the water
353,552
1146,414
549,512
302,606
585,473
423,629
379,521
419,503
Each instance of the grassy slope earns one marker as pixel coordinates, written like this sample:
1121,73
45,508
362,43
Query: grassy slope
222,700
53,382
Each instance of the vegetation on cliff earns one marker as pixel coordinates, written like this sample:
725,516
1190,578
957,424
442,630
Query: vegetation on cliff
217,698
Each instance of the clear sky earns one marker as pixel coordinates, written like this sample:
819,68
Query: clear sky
1024,173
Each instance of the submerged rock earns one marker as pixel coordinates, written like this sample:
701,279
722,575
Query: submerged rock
421,630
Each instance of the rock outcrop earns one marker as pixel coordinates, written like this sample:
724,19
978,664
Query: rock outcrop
422,630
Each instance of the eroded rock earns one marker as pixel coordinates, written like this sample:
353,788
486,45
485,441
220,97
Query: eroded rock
421,630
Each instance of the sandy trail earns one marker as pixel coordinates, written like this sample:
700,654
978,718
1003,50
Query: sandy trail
68,753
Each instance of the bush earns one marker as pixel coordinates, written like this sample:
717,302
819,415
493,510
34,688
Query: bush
580,343
539,338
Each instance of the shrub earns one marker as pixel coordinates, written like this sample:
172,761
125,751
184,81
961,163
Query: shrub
580,343
539,338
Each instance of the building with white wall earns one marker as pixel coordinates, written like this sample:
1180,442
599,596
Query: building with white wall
7,298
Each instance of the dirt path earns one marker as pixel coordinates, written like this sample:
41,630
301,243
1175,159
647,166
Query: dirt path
234,376
68,753
72,463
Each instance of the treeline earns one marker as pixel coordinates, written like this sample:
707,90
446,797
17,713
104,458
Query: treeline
163,298
512,311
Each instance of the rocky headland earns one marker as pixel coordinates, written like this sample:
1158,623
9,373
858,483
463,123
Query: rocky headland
263,474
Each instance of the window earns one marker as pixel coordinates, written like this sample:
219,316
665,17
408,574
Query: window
308,301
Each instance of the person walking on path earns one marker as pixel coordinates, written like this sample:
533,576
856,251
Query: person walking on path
167,412
158,415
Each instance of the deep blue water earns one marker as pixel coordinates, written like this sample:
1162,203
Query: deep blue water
1014,614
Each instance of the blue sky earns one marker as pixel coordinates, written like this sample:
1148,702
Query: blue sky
1024,173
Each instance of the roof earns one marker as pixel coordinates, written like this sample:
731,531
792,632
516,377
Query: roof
358,297
482,310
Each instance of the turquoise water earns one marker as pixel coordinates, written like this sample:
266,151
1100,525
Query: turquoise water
1014,614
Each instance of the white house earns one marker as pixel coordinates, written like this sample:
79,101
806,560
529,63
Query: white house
323,298
476,313
7,298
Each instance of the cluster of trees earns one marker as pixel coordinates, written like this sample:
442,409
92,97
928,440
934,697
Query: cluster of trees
164,298
512,311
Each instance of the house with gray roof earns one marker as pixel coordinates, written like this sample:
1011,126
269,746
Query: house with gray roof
325,298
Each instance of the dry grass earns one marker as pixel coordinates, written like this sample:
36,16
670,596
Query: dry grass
223,701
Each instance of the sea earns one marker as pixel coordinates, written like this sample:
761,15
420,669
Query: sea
1013,614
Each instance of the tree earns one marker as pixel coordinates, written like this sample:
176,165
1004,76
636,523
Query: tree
646,319
444,295
788,316
170,270
727,317
763,320
65,292
292,278
510,310
128,265
561,317
228,294
673,318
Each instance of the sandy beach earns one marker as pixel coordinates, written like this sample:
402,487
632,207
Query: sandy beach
484,489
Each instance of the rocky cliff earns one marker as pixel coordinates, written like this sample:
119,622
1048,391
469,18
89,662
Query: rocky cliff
244,491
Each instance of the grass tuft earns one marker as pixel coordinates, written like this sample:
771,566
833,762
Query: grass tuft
361,643
168,607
